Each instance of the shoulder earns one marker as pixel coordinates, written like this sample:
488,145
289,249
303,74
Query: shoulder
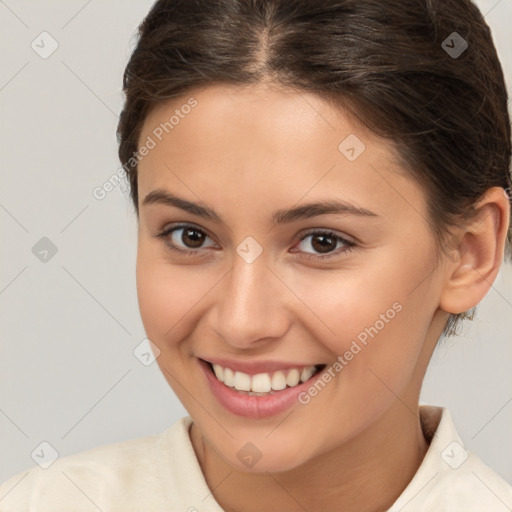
472,487
102,474
451,478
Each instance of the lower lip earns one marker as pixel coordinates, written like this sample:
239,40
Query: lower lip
253,406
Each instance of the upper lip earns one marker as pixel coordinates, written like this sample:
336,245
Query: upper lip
254,367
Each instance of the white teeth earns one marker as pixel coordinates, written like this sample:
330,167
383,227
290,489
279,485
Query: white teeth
219,372
293,377
278,381
306,373
229,377
262,383
242,381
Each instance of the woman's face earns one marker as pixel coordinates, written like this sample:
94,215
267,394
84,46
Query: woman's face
254,293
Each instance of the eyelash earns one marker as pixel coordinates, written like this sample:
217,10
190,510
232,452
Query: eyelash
349,245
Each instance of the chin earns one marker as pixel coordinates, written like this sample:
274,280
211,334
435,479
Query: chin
249,458
276,463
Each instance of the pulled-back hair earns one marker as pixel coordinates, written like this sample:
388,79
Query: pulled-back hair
389,63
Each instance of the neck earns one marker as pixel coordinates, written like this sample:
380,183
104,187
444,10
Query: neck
367,473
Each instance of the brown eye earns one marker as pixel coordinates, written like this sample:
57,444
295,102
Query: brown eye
192,237
183,237
324,243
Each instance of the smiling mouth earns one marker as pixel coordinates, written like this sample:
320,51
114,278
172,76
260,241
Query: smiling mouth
263,384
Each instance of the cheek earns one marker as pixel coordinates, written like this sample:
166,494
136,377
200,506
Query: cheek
171,297
346,302
164,295
374,318
379,330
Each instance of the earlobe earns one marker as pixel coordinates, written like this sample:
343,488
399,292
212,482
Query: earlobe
478,257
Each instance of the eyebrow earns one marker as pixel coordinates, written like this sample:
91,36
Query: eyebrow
282,216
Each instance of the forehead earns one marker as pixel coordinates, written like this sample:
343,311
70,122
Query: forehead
269,141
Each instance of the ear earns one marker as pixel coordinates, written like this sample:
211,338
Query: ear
478,254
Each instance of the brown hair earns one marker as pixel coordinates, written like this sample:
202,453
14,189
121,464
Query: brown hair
397,66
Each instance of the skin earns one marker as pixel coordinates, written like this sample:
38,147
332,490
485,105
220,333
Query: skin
246,152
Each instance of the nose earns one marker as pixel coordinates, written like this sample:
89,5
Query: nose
251,305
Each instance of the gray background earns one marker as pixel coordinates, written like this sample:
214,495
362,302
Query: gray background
68,374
